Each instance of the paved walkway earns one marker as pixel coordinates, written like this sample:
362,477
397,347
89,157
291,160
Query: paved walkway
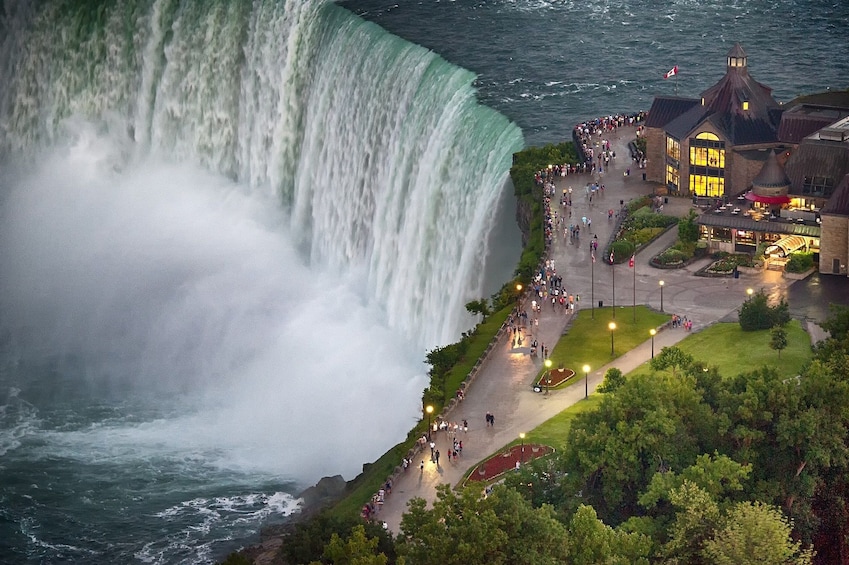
503,387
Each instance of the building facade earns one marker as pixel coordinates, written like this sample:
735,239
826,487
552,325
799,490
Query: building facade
764,173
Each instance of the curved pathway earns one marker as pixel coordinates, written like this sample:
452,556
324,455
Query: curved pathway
503,387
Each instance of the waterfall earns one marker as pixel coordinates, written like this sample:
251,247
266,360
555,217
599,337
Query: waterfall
377,148
229,231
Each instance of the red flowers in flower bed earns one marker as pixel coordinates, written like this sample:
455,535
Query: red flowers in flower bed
506,460
558,377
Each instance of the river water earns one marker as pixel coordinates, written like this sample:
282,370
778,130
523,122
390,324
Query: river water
229,231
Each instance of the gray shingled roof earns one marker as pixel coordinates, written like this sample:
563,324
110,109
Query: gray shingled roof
736,51
686,122
801,121
838,204
664,109
817,158
771,175
758,123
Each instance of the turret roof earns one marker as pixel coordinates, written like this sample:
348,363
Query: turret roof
772,174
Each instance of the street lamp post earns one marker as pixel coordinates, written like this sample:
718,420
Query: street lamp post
652,332
518,303
522,437
547,375
661,295
586,381
749,291
429,410
611,326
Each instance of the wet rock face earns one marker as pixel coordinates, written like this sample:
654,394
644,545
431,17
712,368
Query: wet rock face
524,215
328,489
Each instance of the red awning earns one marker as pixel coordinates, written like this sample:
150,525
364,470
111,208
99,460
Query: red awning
783,199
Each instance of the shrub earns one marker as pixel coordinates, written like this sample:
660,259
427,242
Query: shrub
643,236
724,265
757,314
688,231
637,203
613,379
799,262
622,250
672,256
745,260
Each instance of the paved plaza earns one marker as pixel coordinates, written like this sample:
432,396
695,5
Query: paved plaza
503,387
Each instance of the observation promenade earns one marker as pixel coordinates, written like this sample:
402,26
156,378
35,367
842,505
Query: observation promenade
503,385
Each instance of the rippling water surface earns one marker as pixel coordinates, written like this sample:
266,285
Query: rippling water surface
548,64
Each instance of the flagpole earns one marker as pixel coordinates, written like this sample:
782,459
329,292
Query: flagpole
613,279
635,288
592,282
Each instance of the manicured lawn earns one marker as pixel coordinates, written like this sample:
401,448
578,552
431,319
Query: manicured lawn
554,431
587,342
733,351
724,346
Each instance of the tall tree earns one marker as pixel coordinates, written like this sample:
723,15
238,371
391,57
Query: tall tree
590,541
753,533
778,339
671,358
652,423
837,323
696,517
464,528
358,549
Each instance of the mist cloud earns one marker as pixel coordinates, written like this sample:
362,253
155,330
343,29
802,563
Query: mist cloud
165,279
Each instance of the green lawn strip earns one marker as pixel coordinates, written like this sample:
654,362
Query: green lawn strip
587,341
555,430
372,479
733,351
363,487
552,432
723,345
483,336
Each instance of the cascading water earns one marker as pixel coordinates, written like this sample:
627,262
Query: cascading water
215,217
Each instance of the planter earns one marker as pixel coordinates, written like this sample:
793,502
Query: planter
799,276
749,270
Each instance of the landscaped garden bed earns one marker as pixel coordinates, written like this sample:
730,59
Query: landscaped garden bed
642,224
557,378
725,263
505,461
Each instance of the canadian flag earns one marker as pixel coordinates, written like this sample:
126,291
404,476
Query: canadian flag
672,72
611,256
631,262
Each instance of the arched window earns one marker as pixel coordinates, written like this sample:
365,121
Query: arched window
707,165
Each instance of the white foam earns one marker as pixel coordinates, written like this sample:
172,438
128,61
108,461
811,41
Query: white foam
166,280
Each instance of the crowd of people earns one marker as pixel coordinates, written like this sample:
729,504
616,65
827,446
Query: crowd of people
547,287
594,151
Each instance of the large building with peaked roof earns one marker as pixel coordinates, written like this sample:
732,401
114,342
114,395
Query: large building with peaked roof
768,175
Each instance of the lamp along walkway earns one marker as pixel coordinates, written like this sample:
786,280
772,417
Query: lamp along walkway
503,386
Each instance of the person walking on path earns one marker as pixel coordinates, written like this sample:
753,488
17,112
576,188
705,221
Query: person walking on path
502,383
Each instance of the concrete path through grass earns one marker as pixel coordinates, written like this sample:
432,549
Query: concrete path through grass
503,387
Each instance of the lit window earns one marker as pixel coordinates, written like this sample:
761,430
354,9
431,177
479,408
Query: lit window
673,148
745,105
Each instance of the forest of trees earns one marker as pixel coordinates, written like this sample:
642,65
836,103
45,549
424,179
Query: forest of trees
682,466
